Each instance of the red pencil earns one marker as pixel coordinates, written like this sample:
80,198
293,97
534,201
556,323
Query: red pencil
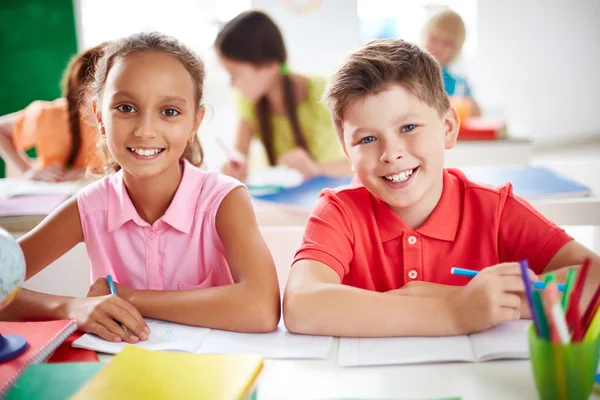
591,309
573,313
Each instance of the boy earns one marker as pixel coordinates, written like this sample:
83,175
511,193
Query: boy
444,36
376,255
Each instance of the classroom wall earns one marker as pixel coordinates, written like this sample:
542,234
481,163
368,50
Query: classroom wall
538,60
37,38
316,41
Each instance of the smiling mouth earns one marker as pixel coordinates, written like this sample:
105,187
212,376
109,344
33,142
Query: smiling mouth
401,176
145,152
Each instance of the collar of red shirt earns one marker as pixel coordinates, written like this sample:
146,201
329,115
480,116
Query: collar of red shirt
179,215
442,224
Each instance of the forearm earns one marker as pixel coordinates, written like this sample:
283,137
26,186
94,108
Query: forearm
13,155
236,307
428,289
31,306
335,168
340,310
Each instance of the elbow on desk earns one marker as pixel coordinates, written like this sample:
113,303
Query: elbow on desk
295,315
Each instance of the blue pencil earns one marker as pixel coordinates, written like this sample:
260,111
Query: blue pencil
529,294
113,290
471,273
111,284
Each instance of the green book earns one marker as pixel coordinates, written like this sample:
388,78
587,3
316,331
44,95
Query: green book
53,381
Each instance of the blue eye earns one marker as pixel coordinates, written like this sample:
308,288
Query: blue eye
367,140
125,108
170,112
408,128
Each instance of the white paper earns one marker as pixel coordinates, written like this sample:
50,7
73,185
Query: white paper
10,187
355,352
277,344
505,341
164,335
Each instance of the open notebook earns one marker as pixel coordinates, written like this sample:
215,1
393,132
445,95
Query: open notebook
505,341
170,336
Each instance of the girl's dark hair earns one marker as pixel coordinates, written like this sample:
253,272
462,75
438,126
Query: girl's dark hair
79,72
149,42
254,38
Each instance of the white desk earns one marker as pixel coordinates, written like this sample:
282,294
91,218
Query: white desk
473,153
323,379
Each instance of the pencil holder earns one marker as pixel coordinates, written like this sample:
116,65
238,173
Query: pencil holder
563,372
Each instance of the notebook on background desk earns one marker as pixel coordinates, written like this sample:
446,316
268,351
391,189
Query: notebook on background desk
531,183
505,341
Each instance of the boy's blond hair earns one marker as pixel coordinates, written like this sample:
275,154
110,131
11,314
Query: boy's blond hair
447,25
376,66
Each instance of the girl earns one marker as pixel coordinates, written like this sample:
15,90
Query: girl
65,143
183,244
282,108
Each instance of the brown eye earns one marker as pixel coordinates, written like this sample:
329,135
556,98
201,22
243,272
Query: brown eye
170,112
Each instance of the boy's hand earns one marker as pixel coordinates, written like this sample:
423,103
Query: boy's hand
301,161
490,298
429,289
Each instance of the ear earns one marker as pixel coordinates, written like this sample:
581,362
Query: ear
451,128
98,116
197,121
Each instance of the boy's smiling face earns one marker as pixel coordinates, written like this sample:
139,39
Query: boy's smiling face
396,145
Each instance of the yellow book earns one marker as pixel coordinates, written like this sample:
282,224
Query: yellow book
145,374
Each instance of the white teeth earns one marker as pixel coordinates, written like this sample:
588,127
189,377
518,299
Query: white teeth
146,152
401,177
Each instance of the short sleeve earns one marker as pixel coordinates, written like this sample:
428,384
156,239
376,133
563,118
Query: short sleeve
244,107
524,233
26,127
328,237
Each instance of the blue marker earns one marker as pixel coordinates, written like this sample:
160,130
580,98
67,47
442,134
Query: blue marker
470,273
111,284
113,290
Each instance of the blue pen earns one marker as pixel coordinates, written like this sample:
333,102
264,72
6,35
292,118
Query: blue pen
111,284
470,273
113,290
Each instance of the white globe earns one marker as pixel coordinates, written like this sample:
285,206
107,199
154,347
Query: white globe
12,268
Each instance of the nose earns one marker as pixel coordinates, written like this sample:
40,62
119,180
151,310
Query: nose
145,126
392,149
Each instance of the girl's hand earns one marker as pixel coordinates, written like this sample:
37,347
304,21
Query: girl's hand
237,169
300,160
51,173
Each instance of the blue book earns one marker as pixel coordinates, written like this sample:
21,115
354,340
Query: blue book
531,183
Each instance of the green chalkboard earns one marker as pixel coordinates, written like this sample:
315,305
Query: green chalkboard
37,39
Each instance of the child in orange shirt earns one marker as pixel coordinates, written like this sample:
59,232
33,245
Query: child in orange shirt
64,139
376,256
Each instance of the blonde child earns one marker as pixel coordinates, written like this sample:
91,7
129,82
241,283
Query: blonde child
64,140
444,36
376,257
281,108
183,244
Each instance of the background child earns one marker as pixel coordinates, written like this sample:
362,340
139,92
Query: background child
376,257
183,244
444,36
282,108
65,142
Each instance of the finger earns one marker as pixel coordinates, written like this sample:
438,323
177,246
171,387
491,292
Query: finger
510,300
116,329
99,330
509,314
129,316
511,284
511,268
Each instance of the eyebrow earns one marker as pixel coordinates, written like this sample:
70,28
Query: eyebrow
174,99
400,119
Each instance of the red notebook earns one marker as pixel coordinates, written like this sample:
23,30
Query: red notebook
43,338
477,128
66,353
